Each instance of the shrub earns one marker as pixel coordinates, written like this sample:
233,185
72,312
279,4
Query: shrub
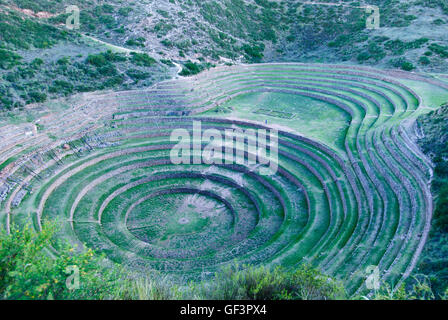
105,58
142,59
254,53
139,42
108,70
98,60
124,11
113,56
29,271
340,41
9,59
403,64
262,283
137,74
416,289
191,68
440,50
61,87
167,62
407,66
363,56
162,28
424,60
36,96
114,81
36,63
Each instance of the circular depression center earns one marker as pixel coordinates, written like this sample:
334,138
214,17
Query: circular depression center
172,217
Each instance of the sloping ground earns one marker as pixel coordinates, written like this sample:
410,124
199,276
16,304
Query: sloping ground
40,59
434,142
351,191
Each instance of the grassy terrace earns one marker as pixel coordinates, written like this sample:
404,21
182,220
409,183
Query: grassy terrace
351,190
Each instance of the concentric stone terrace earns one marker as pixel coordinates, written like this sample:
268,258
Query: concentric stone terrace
351,189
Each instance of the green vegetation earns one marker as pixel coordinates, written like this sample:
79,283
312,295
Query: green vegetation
403,64
413,289
260,283
236,29
137,42
17,32
9,59
192,68
39,79
142,59
31,270
439,49
434,4
434,261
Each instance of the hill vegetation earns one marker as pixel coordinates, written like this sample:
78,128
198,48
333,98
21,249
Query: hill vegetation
434,143
29,272
202,33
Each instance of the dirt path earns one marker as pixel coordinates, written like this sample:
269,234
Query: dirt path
112,46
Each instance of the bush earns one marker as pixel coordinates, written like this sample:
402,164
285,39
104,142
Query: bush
424,60
98,60
363,56
254,53
167,62
191,68
108,70
61,87
36,96
440,50
29,271
403,64
9,59
262,283
125,11
142,59
139,42
102,59
36,63
416,289
407,66
137,74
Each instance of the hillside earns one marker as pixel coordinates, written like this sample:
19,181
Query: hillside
434,142
41,59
